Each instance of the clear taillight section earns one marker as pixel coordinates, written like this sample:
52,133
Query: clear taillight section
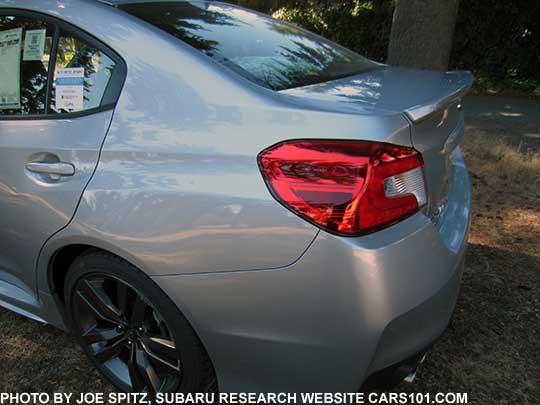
348,188
411,182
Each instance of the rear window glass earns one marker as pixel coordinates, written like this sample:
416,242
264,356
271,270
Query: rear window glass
269,52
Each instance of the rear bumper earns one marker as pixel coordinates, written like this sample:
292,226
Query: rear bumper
347,309
411,335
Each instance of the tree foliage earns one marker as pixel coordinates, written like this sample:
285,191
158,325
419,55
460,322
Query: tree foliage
498,40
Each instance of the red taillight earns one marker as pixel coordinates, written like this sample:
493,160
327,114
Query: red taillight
345,187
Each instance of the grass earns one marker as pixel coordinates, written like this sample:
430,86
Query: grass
492,349
507,193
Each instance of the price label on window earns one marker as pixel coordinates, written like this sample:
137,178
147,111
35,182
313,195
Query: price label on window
69,89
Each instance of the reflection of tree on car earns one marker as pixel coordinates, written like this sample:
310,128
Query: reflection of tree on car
275,54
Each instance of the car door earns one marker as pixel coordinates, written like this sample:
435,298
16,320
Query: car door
58,88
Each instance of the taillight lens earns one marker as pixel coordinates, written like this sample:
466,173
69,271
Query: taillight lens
347,188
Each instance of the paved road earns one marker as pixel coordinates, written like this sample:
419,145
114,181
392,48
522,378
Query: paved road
517,119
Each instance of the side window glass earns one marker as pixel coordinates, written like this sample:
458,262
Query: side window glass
81,75
25,49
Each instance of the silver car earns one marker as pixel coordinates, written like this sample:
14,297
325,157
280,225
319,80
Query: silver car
211,199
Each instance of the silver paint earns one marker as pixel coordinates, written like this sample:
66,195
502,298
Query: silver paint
177,192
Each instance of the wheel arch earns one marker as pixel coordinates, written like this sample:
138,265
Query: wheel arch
61,250
57,255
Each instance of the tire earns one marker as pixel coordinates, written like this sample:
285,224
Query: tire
128,327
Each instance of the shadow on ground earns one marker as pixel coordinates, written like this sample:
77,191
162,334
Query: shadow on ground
492,348
517,120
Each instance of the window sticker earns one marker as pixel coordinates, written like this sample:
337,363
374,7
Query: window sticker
10,69
34,45
69,89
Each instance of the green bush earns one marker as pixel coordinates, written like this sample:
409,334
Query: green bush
355,24
499,41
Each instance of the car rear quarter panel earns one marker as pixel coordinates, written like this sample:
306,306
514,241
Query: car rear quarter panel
178,189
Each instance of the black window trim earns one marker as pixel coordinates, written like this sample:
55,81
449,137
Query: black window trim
113,89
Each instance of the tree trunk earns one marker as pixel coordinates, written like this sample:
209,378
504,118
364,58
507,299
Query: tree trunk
422,33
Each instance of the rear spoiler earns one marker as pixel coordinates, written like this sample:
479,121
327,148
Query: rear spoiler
461,81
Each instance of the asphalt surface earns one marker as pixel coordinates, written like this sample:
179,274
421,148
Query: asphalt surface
516,119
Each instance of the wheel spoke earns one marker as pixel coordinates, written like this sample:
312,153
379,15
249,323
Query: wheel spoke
139,310
98,301
162,346
95,335
141,372
111,350
147,371
163,351
161,324
136,382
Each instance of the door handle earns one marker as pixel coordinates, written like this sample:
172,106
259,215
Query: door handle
59,169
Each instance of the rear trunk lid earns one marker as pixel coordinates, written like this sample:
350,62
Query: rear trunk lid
431,101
